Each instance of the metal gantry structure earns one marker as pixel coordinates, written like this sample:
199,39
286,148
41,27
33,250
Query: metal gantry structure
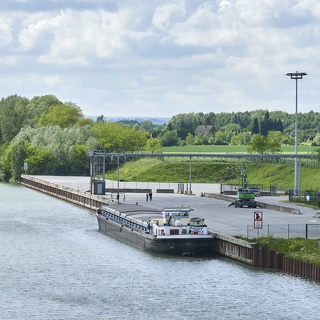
99,160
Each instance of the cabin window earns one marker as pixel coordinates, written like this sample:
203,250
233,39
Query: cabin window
162,232
174,231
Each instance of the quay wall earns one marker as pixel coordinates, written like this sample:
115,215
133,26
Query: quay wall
85,199
241,250
262,257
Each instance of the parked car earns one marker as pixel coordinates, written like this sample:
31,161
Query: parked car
256,191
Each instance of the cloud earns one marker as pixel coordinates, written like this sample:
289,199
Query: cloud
158,56
76,36
165,14
5,32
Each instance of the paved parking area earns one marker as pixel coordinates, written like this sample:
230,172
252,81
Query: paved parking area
218,215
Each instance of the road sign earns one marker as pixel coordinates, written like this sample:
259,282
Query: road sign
258,219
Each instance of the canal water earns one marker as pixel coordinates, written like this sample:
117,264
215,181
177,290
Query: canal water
54,264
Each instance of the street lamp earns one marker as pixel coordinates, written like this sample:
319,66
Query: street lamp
118,169
296,76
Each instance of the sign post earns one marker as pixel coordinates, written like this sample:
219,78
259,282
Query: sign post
258,219
25,167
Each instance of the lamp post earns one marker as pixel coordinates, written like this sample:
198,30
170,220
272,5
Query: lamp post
296,76
118,169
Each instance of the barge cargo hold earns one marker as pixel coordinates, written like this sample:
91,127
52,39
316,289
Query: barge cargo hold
166,231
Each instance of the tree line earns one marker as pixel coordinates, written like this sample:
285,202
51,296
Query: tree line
239,127
54,137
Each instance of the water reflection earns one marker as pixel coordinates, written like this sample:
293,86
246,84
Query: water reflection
56,265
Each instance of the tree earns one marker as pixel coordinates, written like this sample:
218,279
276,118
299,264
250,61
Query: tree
147,126
220,138
170,138
56,150
81,163
5,173
12,114
63,115
242,138
316,139
274,139
113,137
255,126
190,139
258,144
199,139
40,160
100,118
262,144
154,145
38,106
12,161
263,130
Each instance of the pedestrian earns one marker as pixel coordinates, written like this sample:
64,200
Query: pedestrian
147,195
150,196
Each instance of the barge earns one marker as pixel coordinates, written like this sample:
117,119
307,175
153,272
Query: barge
166,231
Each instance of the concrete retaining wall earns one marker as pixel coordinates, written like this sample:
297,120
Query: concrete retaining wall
262,204
84,199
234,248
128,190
164,191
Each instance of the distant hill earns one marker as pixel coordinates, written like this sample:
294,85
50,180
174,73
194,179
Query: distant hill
154,120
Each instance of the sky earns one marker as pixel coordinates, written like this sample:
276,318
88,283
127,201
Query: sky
160,58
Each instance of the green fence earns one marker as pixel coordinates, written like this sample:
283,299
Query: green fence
308,196
306,231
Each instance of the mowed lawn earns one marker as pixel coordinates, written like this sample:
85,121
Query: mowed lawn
232,149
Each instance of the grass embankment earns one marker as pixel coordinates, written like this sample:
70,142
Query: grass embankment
212,171
305,250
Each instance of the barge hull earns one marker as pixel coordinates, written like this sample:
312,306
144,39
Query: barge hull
201,246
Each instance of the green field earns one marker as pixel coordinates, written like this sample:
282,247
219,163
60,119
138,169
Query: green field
232,149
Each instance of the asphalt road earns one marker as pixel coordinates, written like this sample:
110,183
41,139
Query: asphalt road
218,215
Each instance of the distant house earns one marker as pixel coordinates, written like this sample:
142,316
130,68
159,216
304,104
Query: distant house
203,129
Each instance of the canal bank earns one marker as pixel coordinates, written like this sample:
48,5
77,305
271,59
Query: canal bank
224,244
